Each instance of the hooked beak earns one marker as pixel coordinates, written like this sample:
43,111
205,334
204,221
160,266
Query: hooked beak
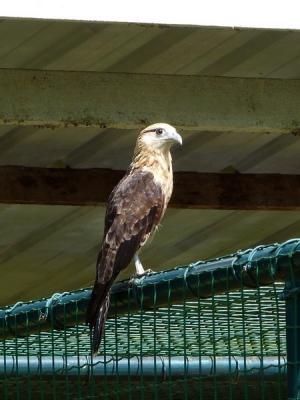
174,137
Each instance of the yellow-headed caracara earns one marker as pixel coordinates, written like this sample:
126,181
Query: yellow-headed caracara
134,211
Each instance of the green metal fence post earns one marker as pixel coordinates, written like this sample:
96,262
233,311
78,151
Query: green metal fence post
288,264
292,298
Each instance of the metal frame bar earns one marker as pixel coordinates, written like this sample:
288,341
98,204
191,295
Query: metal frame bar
150,368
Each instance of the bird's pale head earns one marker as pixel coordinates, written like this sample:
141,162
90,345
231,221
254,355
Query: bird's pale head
152,149
159,136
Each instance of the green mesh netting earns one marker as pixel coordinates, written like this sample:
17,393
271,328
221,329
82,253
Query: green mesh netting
227,343
229,346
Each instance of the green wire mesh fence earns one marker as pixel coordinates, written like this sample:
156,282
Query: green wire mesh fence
222,329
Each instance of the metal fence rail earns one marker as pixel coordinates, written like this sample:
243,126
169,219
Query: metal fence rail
162,368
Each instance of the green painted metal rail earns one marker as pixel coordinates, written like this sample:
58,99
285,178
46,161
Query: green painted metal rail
160,368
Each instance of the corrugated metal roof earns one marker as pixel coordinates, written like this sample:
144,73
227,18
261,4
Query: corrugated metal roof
146,48
78,147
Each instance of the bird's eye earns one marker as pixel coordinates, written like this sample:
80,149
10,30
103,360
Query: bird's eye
159,131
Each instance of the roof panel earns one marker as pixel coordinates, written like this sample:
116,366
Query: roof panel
79,147
273,60
146,48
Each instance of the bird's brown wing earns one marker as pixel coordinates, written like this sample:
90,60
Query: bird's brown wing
134,208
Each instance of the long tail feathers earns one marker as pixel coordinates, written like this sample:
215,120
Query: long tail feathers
99,326
97,311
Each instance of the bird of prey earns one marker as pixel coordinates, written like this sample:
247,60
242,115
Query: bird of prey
134,210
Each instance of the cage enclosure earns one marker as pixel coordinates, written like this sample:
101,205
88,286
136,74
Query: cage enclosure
225,328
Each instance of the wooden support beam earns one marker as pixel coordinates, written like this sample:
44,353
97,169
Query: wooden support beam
64,98
191,189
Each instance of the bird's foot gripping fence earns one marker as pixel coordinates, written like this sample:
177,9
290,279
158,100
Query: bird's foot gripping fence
228,328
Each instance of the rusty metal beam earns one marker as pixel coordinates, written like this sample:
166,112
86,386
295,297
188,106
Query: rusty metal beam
24,185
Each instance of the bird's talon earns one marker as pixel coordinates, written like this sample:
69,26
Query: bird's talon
140,275
145,273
